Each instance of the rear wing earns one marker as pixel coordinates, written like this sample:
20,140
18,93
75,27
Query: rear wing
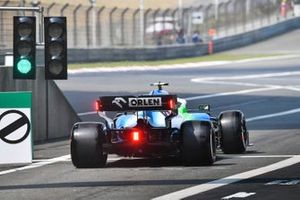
139,103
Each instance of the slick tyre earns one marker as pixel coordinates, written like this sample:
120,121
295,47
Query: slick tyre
198,143
87,145
234,135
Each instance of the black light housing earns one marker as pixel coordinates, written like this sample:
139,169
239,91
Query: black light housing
24,47
56,66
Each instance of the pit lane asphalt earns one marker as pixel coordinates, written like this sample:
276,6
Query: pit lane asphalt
150,178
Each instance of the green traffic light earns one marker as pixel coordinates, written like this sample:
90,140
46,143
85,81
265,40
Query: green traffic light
24,66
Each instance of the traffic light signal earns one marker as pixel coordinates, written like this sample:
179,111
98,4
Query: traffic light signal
56,48
24,48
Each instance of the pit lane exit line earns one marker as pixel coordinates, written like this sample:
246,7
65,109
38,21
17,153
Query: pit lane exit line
233,93
191,191
252,76
288,112
45,162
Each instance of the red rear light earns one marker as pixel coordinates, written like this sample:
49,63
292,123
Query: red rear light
136,136
171,104
98,106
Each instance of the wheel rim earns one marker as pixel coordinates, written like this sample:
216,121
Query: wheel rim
243,135
243,139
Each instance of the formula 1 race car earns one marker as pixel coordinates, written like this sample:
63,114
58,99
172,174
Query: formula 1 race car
158,124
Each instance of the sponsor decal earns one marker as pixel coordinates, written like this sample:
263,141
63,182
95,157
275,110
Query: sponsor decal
145,102
119,101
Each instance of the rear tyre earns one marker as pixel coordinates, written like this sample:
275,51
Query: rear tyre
198,143
234,135
87,145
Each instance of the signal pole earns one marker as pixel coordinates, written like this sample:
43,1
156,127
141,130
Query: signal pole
142,22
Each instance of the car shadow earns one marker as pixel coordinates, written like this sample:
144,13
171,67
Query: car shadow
157,163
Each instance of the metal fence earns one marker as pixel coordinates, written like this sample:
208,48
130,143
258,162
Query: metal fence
94,27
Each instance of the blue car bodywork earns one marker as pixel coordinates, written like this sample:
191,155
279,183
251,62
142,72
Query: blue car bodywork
157,118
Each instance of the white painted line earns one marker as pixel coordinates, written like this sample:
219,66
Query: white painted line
240,104
224,80
232,93
240,195
234,83
262,156
284,182
268,58
276,182
287,87
292,182
48,162
253,76
288,112
36,165
229,180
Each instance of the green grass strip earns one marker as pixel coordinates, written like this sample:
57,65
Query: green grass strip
214,57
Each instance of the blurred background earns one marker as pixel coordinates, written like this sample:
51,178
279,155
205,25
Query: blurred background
129,23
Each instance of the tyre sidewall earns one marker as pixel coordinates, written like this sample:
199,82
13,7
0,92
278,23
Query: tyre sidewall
198,142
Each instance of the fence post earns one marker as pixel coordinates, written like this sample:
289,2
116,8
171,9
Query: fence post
134,25
189,29
269,11
99,38
49,8
63,9
218,20
226,21
22,3
173,16
252,15
207,26
87,25
261,18
185,23
146,20
199,26
1,22
154,20
278,3
122,25
235,16
75,23
111,25
244,16
164,18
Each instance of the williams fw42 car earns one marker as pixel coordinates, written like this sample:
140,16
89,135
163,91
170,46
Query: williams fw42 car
158,124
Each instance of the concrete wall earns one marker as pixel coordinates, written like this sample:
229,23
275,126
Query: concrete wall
61,116
256,35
